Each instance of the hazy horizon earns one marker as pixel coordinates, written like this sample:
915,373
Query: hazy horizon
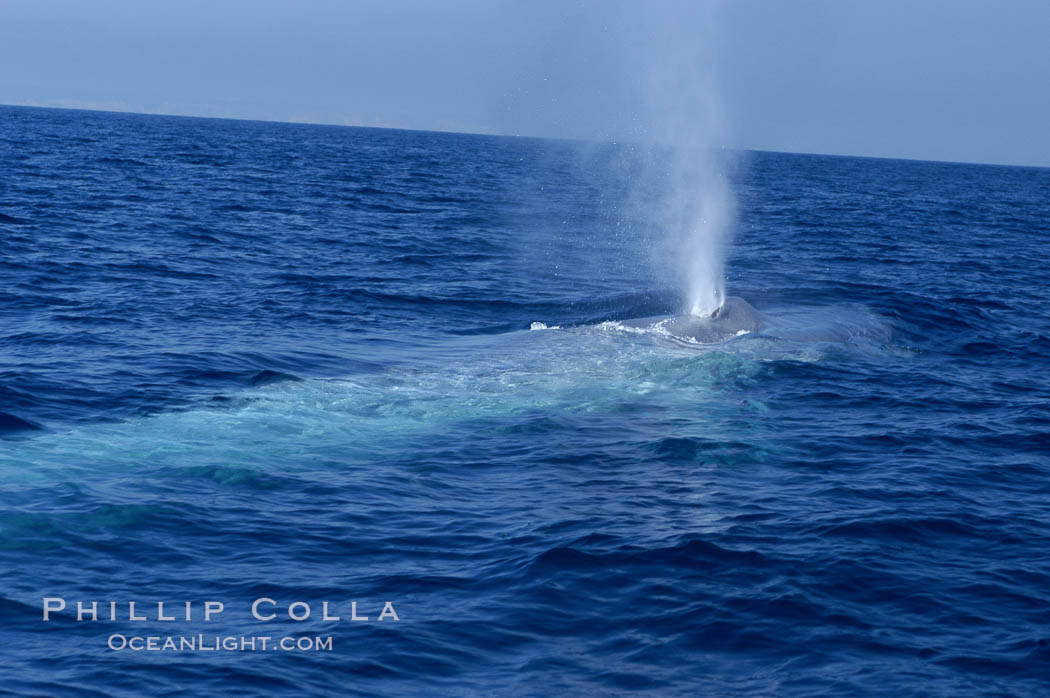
937,80
497,135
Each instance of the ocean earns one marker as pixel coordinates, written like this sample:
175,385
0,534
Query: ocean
287,365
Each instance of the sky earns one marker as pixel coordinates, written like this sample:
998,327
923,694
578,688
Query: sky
964,80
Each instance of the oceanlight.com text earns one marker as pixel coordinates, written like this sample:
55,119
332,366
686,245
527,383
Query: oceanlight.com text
219,643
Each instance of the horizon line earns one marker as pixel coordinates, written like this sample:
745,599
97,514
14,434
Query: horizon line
103,110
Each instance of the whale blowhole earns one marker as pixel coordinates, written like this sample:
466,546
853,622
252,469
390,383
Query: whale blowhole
733,318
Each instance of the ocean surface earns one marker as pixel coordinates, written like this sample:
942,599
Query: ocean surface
244,360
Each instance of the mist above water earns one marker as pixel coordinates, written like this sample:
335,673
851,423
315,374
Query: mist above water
689,197
697,216
644,77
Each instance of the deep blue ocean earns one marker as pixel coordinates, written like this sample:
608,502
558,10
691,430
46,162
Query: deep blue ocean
244,360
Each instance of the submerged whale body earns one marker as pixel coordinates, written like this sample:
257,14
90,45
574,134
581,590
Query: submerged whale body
734,318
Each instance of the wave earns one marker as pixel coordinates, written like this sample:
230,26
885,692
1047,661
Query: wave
10,424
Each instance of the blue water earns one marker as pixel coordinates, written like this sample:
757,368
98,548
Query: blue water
244,360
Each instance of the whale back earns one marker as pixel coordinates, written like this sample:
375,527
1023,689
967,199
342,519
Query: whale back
735,317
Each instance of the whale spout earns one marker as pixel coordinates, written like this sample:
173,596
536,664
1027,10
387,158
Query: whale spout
735,317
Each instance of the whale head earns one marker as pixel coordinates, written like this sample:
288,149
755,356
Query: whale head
732,318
